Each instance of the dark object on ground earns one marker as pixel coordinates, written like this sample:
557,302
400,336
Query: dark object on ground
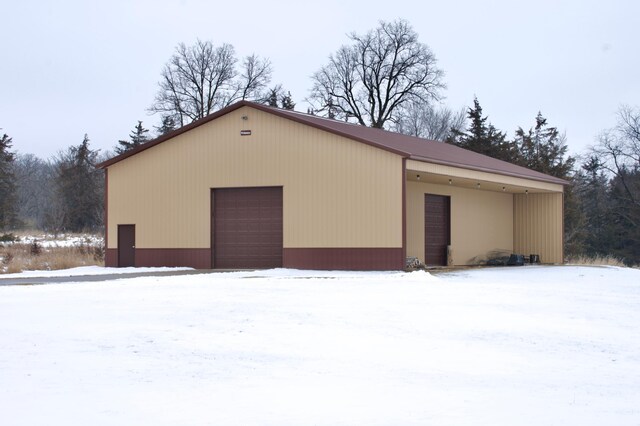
534,258
498,261
516,260
35,248
9,238
412,263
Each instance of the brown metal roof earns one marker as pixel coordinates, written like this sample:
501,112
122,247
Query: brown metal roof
411,147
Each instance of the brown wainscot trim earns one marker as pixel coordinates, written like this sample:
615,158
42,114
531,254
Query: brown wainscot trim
362,259
111,258
193,258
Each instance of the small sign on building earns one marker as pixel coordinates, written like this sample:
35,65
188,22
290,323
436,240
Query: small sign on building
245,132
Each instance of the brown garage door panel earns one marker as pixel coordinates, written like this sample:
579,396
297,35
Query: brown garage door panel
437,228
247,227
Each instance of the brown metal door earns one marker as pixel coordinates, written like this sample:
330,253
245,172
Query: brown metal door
437,229
126,245
247,227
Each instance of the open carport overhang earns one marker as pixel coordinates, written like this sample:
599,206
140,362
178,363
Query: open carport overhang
441,174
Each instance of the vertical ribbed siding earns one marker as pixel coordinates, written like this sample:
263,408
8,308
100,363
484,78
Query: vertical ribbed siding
537,225
336,192
481,221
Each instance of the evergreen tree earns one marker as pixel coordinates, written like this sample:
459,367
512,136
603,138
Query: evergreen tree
168,125
272,98
8,197
544,149
482,137
138,136
287,103
278,99
79,186
591,188
575,218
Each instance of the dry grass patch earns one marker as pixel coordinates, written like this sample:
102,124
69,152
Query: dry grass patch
20,257
608,260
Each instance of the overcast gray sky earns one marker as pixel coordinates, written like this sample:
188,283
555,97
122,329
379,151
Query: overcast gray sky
73,67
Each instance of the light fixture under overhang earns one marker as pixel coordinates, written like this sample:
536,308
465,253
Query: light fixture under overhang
418,177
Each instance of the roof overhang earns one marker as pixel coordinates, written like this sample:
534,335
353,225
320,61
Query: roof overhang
548,179
488,180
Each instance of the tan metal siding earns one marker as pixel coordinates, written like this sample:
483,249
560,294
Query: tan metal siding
481,221
537,226
335,191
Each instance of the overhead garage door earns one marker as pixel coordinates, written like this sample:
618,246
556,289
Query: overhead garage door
247,227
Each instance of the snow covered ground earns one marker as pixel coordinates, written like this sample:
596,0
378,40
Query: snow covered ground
62,240
510,346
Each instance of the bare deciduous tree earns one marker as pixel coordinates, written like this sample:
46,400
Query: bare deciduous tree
629,126
203,78
254,78
36,189
371,79
426,121
618,151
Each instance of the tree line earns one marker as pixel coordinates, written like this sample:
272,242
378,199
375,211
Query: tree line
602,200
62,194
385,78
